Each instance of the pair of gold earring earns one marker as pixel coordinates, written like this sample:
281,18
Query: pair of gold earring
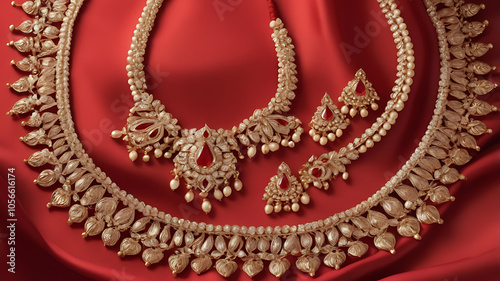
329,122
284,191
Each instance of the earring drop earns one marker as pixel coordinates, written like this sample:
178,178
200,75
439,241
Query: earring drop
358,95
284,192
327,122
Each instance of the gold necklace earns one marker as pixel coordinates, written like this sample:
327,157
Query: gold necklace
205,158
402,200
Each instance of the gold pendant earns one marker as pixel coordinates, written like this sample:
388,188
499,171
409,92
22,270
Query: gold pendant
358,95
328,122
206,162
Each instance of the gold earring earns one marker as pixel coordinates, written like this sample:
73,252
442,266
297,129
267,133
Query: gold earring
284,192
358,95
327,122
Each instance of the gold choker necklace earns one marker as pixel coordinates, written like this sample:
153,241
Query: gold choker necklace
205,158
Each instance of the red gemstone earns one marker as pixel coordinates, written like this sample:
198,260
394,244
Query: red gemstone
282,122
327,114
206,134
154,133
283,182
204,156
360,89
316,172
143,126
205,183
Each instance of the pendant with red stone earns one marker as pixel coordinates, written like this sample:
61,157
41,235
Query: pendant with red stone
206,162
284,192
358,96
328,122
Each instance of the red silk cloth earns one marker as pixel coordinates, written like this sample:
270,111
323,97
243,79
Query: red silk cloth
213,62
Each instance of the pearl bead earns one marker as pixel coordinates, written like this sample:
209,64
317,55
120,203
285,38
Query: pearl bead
238,185
133,155
274,146
158,153
268,209
331,136
405,89
363,112
316,138
339,133
251,151
305,199
265,149
116,134
353,112
174,184
277,208
145,158
227,191
189,196
295,207
323,140
369,143
344,109
206,206
362,149
296,137
399,106
345,175
218,194
284,143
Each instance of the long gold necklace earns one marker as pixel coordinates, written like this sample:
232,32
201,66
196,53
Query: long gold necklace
121,217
